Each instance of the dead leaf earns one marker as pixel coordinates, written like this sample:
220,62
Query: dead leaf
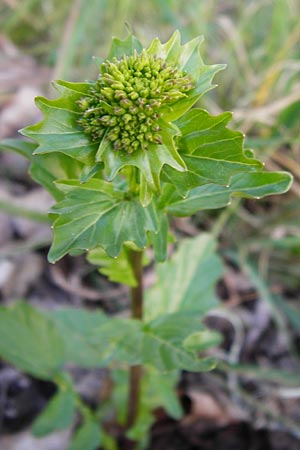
23,273
205,406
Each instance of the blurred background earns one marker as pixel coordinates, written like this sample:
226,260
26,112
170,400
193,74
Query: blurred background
43,40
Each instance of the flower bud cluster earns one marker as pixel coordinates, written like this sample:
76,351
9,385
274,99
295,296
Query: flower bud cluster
126,101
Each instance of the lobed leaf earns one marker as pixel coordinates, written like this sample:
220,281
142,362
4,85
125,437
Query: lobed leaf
125,47
59,130
149,163
94,214
187,58
212,152
212,196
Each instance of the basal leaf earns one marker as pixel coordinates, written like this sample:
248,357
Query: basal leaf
75,326
87,437
30,341
94,214
93,339
158,343
157,391
120,340
58,414
187,281
163,343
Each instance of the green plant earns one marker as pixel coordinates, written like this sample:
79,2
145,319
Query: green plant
120,155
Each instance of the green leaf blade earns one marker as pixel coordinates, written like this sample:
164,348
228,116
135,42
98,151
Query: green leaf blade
118,270
212,196
94,214
87,437
163,349
75,326
120,48
187,281
30,341
58,414
212,152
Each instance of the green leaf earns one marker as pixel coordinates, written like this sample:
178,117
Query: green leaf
150,164
119,340
159,239
19,146
74,326
202,340
212,196
58,414
30,341
94,214
157,391
117,269
212,152
100,341
59,130
90,171
158,343
93,339
45,169
187,58
261,184
187,281
120,48
163,339
87,437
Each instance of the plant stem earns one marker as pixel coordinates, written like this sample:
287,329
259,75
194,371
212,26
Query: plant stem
135,373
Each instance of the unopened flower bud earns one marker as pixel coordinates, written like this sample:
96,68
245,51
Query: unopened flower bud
127,100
